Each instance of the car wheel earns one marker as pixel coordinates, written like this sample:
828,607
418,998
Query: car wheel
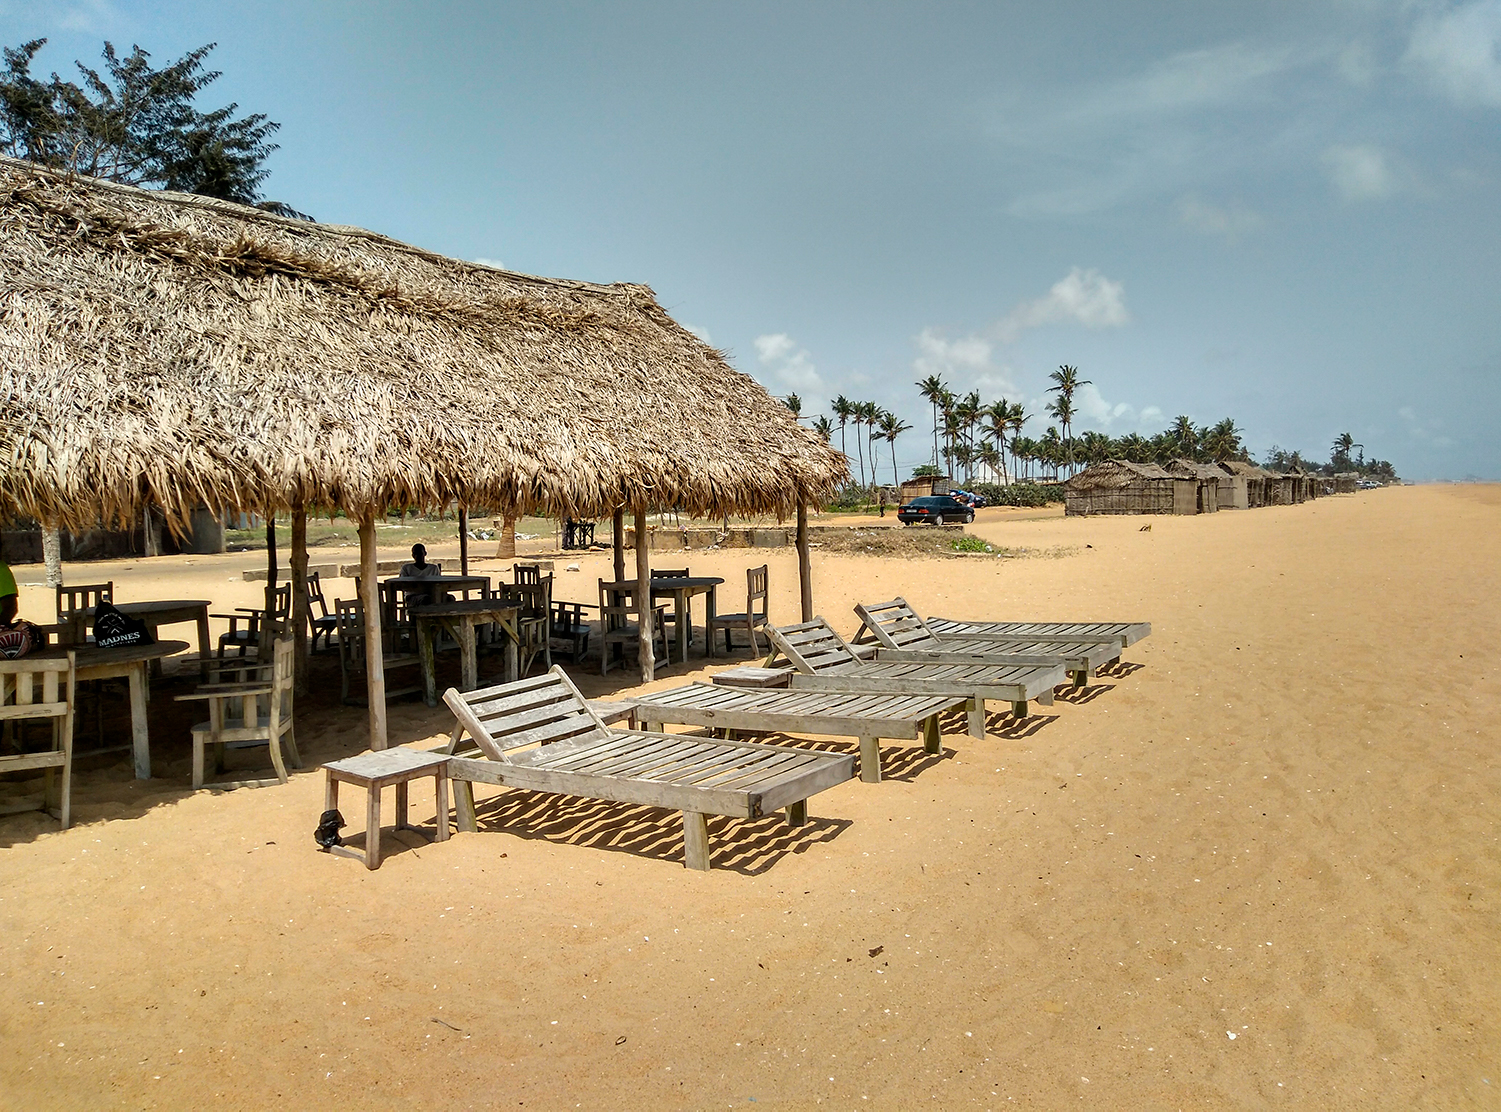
938,520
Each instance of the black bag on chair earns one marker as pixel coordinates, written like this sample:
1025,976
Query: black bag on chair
112,628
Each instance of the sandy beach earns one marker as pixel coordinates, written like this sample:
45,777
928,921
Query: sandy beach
1256,867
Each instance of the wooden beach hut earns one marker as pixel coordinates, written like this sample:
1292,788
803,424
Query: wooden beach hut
1345,482
171,351
1121,487
1255,479
1207,476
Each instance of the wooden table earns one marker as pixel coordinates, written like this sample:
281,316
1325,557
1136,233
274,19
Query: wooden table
157,613
681,590
434,586
374,771
460,619
127,662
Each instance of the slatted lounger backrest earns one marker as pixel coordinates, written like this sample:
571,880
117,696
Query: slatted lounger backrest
814,647
536,711
895,625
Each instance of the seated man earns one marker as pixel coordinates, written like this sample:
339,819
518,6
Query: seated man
419,568
17,636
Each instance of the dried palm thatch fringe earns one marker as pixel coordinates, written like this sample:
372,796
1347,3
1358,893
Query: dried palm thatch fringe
179,351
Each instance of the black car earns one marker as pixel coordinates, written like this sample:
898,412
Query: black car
934,509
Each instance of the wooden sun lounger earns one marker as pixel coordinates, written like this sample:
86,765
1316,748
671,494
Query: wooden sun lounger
868,716
825,662
1128,632
541,734
902,635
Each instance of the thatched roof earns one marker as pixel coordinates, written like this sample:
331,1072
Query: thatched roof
1116,474
162,348
1195,470
1244,470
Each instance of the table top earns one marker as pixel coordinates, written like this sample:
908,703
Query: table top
461,607
673,583
158,606
421,580
90,656
388,762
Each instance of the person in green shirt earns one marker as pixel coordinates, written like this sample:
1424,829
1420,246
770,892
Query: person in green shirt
17,636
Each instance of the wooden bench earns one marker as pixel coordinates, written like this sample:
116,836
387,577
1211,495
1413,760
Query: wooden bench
375,771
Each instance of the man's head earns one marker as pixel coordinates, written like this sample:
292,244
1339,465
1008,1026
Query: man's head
419,554
10,600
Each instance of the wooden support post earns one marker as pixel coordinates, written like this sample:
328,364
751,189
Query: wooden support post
804,562
643,595
52,553
695,838
617,529
463,540
268,634
300,617
375,669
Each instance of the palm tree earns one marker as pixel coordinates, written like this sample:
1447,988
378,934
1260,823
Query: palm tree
1134,447
992,458
1051,449
843,409
999,414
1095,447
1185,435
871,413
795,403
1065,381
1019,417
933,389
891,428
823,428
1222,441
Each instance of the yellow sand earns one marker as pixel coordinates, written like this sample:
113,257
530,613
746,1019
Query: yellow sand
1261,870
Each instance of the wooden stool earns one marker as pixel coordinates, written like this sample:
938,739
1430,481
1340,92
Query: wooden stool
390,766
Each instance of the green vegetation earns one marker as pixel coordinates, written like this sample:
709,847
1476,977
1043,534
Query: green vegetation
1019,494
968,543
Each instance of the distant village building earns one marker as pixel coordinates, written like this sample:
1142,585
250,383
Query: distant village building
1207,475
1346,482
1121,487
924,485
1255,479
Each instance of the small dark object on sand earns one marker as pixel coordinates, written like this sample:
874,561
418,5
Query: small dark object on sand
327,834
1145,529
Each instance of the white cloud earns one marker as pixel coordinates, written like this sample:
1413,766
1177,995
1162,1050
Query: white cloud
1084,296
1233,221
1459,51
1357,64
967,360
496,263
1097,413
701,333
1360,172
792,365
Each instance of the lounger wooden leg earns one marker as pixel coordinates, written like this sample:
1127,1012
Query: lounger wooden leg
331,794
696,840
401,806
1080,678
797,813
1019,708
870,760
932,739
372,828
463,803
441,790
1046,697
975,711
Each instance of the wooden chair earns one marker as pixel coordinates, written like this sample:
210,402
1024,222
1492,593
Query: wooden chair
322,624
619,611
41,688
257,624
73,603
568,630
253,712
350,616
522,574
755,615
533,622
678,573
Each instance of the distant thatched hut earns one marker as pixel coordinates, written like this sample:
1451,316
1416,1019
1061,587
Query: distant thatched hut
1255,479
170,351
1207,475
1121,487
1346,482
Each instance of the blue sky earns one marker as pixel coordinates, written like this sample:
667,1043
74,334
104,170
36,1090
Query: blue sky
1286,213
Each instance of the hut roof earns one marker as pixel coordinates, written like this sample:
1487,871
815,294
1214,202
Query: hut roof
1117,473
1241,467
1194,469
173,349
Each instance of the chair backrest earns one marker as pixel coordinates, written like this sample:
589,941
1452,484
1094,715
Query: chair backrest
81,596
755,592
669,573
537,711
567,618
36,687
617,602
315,594
895,625
526,573
282,669
814,647
350,618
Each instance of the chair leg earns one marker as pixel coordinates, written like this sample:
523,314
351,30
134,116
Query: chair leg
273,743
197,759
292,747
